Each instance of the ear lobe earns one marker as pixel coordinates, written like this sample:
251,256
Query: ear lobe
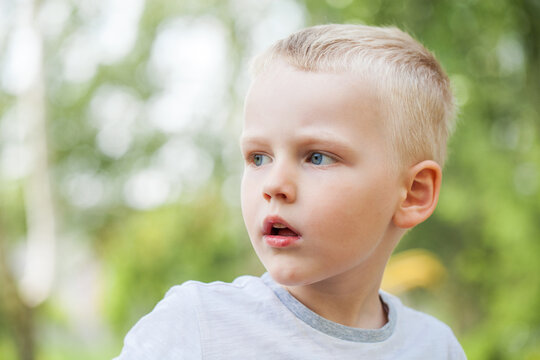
423,183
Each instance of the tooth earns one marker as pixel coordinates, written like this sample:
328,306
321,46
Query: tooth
279,226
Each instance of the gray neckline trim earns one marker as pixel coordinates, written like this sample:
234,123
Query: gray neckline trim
329,327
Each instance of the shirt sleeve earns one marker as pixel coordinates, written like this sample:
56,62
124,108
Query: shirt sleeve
170,331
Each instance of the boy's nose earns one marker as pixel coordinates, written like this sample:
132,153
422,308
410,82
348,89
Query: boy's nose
280,185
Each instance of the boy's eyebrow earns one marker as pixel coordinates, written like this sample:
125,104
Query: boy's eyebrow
242,140
331,142
252,139
323,139
318,138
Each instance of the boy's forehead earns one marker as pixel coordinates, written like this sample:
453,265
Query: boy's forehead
281,82
283,90
311,108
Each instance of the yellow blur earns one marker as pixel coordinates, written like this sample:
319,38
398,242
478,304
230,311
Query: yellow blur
412,269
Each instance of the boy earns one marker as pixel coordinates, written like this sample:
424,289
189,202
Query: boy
344,139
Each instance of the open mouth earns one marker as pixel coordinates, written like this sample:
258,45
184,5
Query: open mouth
281,230
278,234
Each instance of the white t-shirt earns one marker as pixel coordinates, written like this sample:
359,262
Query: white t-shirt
255,318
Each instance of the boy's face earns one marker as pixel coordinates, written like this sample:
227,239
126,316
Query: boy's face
318,193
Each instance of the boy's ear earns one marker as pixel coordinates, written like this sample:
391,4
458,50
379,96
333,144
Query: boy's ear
420,195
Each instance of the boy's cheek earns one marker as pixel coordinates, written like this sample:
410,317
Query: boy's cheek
247,203
249,187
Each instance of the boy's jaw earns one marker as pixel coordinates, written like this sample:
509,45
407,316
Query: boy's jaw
277,233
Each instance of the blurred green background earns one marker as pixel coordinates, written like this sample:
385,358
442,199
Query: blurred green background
120,170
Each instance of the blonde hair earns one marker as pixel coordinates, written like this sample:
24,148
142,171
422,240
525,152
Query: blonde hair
418,105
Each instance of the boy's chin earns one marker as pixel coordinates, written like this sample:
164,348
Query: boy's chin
288,277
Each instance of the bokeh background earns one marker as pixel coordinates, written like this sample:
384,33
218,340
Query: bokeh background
120,169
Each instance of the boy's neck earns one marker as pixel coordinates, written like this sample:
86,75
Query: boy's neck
344,303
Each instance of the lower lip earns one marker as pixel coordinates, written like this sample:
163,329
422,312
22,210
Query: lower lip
277,241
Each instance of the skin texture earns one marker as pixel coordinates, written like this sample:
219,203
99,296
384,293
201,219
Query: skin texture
316,157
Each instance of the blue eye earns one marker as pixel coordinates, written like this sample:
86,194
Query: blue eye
320,159
260,159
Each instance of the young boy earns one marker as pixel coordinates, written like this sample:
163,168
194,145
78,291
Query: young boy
344,139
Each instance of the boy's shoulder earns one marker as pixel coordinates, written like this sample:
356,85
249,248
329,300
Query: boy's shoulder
179,324
246,287
416,327
409,317
238,283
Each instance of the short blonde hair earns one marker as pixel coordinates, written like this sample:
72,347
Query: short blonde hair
418,105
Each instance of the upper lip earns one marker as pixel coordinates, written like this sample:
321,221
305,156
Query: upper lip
269,222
